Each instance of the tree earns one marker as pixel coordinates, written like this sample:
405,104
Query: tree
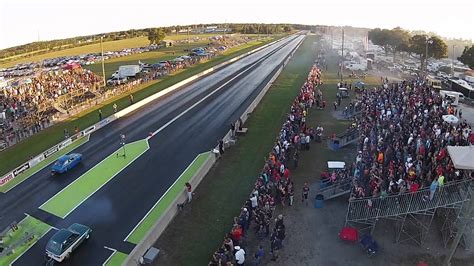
399,40
437,48
287,28
467,56
156,35
382,38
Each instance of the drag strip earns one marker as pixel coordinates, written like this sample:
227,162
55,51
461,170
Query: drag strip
117,207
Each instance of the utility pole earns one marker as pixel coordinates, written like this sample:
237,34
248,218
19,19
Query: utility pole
189,42
332,40
452,60
102,57
342,56
466,220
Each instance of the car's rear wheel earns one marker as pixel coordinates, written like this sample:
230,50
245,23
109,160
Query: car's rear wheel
88,236
68,255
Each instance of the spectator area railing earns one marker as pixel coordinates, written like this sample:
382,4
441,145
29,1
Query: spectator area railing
367,209
339,188
343,139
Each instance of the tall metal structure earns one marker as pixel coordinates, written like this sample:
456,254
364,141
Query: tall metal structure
414,212
342,56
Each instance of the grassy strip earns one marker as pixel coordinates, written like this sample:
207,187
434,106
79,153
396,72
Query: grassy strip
116,259
164,202
28,173
82,188
29,225
227,186
32,146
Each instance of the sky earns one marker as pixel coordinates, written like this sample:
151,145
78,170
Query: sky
24,21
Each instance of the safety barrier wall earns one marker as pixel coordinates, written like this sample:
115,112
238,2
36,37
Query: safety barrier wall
174,87
23,167
158,228
168,215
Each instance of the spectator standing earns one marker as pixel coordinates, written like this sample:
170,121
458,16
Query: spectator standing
115,107
240,255
291,192
221,147
305,193
100,115
66,133
232,130
131,99
259,256
189,192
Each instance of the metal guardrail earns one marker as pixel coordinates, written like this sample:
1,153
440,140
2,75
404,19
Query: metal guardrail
337,189
373,208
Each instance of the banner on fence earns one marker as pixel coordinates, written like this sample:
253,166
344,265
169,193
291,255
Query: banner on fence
5,179
21,169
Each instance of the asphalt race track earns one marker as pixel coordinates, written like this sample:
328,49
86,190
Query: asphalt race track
115,209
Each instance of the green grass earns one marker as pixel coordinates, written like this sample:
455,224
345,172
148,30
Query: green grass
19,153
28,173
95,48
29,225
116,259
163,203
82,188
224,190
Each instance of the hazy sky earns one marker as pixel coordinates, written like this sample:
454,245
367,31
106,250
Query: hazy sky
22,21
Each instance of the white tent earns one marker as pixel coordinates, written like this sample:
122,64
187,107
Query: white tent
336,165
450,119
462,156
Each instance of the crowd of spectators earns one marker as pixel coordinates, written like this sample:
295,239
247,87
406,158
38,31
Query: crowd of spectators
403,140
28,102
274,185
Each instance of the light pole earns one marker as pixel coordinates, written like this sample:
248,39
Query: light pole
452,60
342,56
428,41
102,57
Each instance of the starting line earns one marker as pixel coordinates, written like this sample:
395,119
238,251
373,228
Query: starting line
73,195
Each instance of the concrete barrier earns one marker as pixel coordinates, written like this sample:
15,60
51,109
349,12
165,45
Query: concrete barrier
184,82
158,228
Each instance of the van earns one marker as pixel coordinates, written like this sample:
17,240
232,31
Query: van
454,96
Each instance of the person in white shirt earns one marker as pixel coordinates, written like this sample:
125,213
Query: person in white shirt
254,200
239,255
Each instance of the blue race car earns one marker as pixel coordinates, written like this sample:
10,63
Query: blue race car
66,162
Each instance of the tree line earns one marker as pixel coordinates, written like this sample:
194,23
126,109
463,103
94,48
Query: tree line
420,44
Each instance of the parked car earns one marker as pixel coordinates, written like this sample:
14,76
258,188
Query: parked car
61,245
66,162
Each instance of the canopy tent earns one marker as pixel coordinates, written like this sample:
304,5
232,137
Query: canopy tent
336,165
462,156
450,119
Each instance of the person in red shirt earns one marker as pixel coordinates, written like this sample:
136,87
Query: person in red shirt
236,234
286,173
414,187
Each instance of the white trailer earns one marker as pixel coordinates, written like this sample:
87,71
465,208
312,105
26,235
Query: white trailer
128,70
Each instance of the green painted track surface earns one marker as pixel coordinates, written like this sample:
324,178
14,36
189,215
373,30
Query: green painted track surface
160,207
83,187
30,226
116,259
33,170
